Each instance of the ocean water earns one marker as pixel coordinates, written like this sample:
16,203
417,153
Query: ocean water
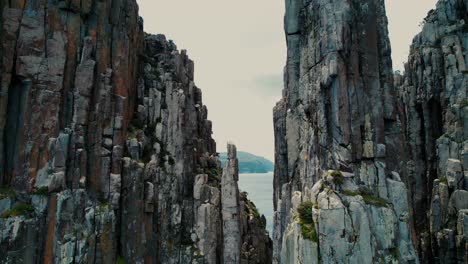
259,186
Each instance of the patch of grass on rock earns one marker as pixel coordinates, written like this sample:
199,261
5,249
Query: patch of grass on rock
214,174
338,178
443,180
368,199
251,209
395,254
44,191
350,193
464,103
120,260
374,200
306,221
18,210
7,192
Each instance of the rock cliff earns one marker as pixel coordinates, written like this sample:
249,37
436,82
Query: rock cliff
245,238
340,195
231,209
433,93
371,167
106,153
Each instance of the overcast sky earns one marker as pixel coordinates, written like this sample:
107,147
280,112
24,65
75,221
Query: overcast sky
239,53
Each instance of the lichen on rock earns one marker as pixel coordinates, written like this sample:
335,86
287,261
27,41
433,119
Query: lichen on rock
105,142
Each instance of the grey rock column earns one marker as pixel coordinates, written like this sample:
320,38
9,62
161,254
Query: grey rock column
230,208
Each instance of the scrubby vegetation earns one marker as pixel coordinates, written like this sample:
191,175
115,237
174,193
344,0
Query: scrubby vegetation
120,260
18,210
443,180
395,254
214,176
250,207
338,178
306,221
464,103
368,199
213,173
7,192
102,207
42,191
148,151
350,193
374,200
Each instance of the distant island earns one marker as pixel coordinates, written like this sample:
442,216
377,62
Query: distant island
250,163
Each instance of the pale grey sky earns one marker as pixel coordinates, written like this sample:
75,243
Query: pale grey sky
239,52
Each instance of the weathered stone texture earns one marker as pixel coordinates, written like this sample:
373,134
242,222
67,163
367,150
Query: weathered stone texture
245,238
433,93
257,247
339,139
231,208
54,158
106,151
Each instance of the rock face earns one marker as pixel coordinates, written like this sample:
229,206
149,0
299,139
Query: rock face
339,195
433,92
257,247
370,169
230,204
245,238
106,152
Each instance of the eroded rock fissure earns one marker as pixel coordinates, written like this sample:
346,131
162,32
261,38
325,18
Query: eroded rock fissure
383,154
106,146
106,152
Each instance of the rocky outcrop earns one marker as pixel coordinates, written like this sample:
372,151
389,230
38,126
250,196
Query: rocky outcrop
257,247
433,92
69,69
106,153
231,210
339,185
169,154
245,238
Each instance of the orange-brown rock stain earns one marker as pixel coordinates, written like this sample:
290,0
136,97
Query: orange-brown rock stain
49,237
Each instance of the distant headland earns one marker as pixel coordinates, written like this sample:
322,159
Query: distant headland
250,163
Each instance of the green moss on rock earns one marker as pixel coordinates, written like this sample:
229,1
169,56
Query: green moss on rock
350,193
395,254
42,191
306,221
374,200
338,178
443,180
7,193
464,103
18,210
368,199
120,260
251,209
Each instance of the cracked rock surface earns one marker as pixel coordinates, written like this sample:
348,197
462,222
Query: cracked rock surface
339,136
371,167
433,93
106,152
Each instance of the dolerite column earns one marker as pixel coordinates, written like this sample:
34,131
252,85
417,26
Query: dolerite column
340,195
230,208
434,93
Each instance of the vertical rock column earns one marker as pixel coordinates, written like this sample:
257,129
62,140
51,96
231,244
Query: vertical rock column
230,208
433,92
171,177
339,193
68,76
